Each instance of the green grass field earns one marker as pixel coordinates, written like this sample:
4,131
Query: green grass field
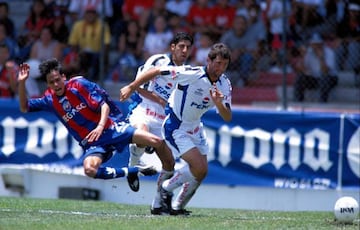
29,214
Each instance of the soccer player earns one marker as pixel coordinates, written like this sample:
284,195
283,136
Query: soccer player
148,113
92,118
198,89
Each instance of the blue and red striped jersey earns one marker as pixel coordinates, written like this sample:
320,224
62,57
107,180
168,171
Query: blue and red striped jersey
79,108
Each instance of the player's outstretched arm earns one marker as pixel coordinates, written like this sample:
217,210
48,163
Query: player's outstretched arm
22,77
146,76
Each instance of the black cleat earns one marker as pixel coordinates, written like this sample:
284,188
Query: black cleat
181,212
158,211
146,170
133,181
133,177
165,199
149,150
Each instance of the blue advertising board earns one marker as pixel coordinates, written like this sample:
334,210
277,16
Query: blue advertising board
282,149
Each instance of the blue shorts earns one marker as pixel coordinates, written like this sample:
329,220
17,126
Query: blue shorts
113,138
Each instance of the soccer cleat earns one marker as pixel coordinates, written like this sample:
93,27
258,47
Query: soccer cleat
133,181
181,212
145,170
165,199
149,150
158,211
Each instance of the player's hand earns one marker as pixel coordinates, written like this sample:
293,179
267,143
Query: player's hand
125,92
23,72
95,134
216,94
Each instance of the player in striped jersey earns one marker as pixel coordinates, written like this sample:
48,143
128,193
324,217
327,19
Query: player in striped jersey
92,118
198,90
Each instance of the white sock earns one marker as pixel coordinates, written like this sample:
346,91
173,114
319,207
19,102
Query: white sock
164,175
135,154
186,193
180,176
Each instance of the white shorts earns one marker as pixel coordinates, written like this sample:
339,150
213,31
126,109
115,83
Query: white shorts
151,115
183,138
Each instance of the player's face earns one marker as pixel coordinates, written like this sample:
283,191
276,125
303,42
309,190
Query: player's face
181,52
217,67
56,82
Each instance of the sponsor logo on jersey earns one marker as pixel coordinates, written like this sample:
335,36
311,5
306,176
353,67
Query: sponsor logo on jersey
71,112
163,91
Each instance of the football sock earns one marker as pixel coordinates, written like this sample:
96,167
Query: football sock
180,176
111,173
135,154
164,175
186,193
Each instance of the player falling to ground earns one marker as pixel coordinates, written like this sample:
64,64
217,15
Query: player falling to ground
198,89
92,118
148,111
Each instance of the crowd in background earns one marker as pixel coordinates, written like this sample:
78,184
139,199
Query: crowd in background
72,32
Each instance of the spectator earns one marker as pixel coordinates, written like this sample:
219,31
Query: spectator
176,24
130,47
77,9
348,53
60,29
135,9
223,17
242,44
201,52
9,42
149,16
179,7
199,19
8,73
85,37
157,41
242,7
310,15
46,46
275,16
8,22
257,30
38,18
318,70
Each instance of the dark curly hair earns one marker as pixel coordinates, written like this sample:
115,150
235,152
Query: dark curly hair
49,65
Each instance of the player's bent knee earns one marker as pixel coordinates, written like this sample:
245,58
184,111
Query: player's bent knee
90,171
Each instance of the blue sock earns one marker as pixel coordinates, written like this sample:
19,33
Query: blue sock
110,172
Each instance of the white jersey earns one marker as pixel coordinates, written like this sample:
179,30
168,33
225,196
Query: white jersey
147,111
191,98
183,129
159,85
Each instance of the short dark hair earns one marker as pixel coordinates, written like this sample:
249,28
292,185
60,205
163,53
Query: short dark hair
49,65
180,36
220,49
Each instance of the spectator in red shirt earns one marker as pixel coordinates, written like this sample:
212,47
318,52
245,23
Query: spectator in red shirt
200,16
223,16
8,72
134,9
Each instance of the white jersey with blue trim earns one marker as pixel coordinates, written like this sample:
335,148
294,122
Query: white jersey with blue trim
191,97
161,86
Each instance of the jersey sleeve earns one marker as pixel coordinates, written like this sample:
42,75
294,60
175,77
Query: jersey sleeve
90,92
40,104
226,90
183,74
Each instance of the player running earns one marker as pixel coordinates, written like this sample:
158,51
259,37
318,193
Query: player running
148,113
198,90
92,118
